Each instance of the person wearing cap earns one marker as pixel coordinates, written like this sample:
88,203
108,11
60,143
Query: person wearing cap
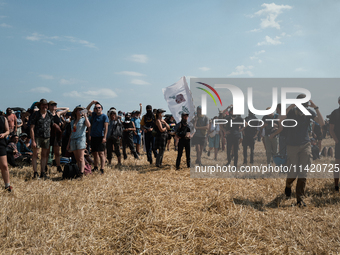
299,146
183,136
147,124
77,141
334,130
114,135
12,121
4,132
172,124
201,124
161,138
41,124
56,132
98,134
128,130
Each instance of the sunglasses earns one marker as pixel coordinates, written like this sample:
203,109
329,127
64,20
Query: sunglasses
97,107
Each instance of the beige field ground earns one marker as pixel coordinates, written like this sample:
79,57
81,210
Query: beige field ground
141,209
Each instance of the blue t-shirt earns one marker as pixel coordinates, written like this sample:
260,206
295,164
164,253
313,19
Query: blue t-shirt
80,129
97,124
137,124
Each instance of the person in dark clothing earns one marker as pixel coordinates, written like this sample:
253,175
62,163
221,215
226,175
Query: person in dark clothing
183,137
113,136
299,146
233,132
4,132
249,136
128,130
41,124
161,128
171,134
147,124
334,130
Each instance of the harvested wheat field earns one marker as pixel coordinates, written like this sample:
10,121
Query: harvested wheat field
141,209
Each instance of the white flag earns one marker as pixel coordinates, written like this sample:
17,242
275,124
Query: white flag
179,99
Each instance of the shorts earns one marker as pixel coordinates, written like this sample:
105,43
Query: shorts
96,144
214,142
3,151
78,143
137,139
337,150
196,140
43,143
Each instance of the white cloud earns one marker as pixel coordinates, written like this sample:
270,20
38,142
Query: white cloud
100,93
271,11
242,70
50,39
255,30
5,25
130,73
204,69
40,90
140,58
255,57
260,61
300,69
68,82
46,77
139,82
270,41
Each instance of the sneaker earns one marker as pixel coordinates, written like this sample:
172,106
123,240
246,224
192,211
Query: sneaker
301,204
288,192
337,188
125,157
9,188
36,175
208,153
177,168
44,176
95,169
59,169
102,171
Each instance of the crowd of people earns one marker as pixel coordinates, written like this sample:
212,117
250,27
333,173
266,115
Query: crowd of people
90,137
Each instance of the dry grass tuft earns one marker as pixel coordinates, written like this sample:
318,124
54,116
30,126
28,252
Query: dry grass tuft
141,209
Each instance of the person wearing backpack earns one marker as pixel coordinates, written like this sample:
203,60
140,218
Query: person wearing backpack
147,124
77,141
114,134
128,130
4,132
334,130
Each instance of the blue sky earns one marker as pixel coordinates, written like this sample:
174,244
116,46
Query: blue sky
123,53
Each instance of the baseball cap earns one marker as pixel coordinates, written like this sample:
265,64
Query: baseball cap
160,110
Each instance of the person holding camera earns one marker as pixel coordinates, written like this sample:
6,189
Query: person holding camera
77,141
183,136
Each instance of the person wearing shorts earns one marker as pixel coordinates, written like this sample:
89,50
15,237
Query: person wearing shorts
334,130
201,125
214,138
4,132
41,124
77,141
99,127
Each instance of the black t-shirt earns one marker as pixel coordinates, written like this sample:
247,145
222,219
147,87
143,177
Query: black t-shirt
232,127
269,129
335,120
2,130
298,135
42,126
182,129
250,132
128,124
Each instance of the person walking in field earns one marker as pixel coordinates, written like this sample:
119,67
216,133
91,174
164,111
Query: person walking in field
161,128
334,130
41,124
183,136
128,130
4,132
99,126
147,124
201,125
77,141
299,146
249,137
114,135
